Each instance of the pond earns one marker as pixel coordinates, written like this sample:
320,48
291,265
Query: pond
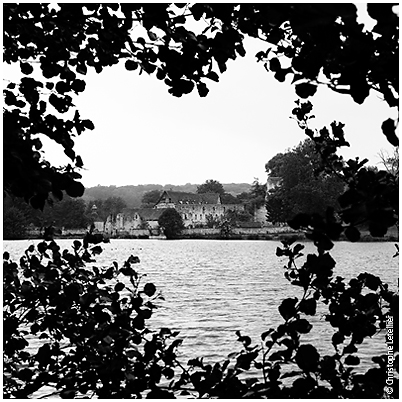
212,288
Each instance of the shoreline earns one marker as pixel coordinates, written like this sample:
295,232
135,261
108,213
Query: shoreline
299,236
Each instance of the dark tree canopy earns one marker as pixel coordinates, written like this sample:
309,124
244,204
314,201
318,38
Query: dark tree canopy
211,186
171,223
227,198
150,198
302,189
69,213
104,208
313,43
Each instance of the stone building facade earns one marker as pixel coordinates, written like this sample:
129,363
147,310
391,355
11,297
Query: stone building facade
195,208
132,219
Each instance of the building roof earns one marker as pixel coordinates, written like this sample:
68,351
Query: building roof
179,197
147,214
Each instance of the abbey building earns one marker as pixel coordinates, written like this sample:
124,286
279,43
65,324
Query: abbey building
195,210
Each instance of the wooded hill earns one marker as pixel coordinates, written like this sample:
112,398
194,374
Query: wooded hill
132,195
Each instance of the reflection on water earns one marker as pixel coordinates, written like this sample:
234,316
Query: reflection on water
213,287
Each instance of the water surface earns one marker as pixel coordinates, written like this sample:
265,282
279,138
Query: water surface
213,288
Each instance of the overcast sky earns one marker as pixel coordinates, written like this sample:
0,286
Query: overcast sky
145,135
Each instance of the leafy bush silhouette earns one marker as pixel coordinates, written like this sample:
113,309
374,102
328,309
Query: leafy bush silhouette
90,323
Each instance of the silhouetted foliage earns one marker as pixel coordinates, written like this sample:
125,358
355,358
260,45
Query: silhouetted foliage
98,312
73,39
371,197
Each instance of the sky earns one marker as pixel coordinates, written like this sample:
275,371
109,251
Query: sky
144,135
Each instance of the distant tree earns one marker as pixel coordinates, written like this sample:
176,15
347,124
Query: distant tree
274,166
14,224
150,198
212,221
302,189
104,208
277,207
171,223
227,198
253,199
114,205
234,217
243,197
71,213
258,194
390,162
211,186
30,215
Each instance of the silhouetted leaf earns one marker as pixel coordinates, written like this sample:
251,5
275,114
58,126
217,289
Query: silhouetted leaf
308,306
337,338
75,189
274,64
77,244
78,85
305,90
352,360
131,65
202,89
351,348
119,287
388,128
302,326
213,76
287,308
26,68
149,289
307,357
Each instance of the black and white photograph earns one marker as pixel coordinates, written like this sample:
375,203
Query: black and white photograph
200,200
